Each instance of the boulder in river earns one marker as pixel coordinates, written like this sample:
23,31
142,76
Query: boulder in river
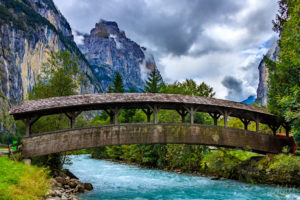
88,186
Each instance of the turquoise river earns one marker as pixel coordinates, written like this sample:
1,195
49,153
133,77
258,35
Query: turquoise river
117,181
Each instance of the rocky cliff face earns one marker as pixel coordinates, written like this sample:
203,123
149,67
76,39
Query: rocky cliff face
108,50
26,40
262,90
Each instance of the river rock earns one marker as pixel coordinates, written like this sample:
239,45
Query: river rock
67,186
61,180
50,193
64,197
88,186
67,179
59,185
70,174
79,188
53,198
215,178
73,183
57,193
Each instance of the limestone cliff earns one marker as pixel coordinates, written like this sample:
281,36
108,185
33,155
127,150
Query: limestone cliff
26,40
262,90
108,50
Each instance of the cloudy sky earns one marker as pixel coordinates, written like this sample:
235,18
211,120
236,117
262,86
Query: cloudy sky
219,42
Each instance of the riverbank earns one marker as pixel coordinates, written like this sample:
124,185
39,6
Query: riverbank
281,169
19,181
66,186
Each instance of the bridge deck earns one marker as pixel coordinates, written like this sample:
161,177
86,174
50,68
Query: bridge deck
72,139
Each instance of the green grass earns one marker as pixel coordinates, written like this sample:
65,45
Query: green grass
2,148
21,182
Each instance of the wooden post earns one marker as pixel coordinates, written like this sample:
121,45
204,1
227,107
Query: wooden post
28,127
215,116
225,115
274,128
182,112
148,112
245,122
116,111
192,111
29,122
287,128
111,115
72,117
257,120
155,110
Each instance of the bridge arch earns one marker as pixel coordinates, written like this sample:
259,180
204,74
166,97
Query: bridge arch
125,134
112,103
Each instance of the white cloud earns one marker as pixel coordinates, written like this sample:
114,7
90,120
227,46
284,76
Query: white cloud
77,37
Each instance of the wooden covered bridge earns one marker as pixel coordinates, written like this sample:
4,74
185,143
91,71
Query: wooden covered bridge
151,132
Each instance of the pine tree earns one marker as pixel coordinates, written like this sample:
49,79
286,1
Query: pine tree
128,113
117,86
154,82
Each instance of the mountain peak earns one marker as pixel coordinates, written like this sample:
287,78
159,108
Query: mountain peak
249,100
108,23
106,28
108,50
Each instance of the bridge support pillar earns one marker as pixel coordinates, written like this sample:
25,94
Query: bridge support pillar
148,112
72,117
245,122
29,122
215,116
182,112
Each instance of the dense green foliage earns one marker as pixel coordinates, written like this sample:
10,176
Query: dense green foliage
188,87
21,182
284,75
8,138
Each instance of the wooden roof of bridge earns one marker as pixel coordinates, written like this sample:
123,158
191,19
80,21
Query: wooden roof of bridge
85,102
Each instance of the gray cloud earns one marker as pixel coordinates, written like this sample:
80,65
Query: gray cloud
234,87
232,83
169,26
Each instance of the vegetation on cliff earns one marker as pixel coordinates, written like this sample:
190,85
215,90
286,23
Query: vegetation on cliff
21,16
21,182
284,75
59,77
